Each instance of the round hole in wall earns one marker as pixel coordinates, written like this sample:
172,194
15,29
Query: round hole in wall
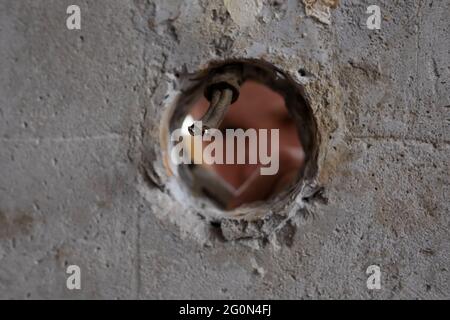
265,145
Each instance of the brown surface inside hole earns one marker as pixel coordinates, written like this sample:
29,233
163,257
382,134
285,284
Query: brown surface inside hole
258,107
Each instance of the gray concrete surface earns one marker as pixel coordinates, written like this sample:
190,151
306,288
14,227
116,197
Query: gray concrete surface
81,110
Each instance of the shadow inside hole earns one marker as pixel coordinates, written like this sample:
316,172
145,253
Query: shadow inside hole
268,100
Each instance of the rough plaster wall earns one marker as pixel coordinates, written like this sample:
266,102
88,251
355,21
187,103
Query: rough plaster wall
75,107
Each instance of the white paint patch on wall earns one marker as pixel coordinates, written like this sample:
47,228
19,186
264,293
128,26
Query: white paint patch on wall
243,12
320,9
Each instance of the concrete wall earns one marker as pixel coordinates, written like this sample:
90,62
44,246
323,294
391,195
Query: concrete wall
81,179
